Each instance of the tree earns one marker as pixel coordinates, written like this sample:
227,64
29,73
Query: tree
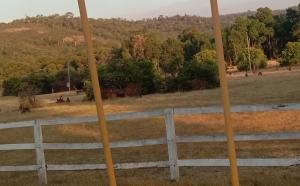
195,75
257,59
206,55
145,76
238,37
291,54
194,42
137,46
11,87
152,49
171,57
229,49
265,16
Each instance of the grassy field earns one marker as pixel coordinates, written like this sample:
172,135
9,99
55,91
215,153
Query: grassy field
277,88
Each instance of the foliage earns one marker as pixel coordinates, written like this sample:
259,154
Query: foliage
291,54
32,84
206,72
172,57
194,42
257,59
118,74
11,87
61,79
159,54
206,55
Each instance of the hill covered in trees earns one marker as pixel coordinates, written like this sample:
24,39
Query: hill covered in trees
47,42
161,54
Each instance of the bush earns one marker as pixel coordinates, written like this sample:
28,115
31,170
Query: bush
61,79
195,75
121,73
206,55
291,54
41,81
88,89
11,87
145,76
38,81
258,59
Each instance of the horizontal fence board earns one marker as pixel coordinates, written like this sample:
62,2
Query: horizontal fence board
241,137
20,124
24,146
155,113
239,108
121,144
112,117
158,164
158,141
18,168
69,120
272,162
135,115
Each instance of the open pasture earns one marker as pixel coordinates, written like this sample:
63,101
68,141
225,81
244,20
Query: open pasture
279,88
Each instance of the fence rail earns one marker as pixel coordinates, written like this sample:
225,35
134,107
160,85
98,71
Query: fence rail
170,140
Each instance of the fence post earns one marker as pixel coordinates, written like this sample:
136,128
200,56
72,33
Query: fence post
172,146
40,155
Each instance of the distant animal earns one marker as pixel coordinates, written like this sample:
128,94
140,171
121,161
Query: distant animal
259,73
24,109
60,100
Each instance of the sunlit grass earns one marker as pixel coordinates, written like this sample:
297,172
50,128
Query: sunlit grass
254,90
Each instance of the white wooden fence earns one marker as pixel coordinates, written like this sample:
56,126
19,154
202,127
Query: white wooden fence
171,140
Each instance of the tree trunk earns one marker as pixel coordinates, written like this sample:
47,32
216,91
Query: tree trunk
249,55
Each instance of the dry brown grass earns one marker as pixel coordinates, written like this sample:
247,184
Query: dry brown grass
269,89
277,88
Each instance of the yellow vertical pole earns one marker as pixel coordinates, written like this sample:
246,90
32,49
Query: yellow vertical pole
97,92
225,94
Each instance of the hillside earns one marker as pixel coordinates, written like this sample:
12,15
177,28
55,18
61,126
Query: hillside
38,43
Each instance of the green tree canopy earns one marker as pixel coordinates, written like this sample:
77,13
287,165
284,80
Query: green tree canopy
206,55
291,54
257,59
194,42
171,57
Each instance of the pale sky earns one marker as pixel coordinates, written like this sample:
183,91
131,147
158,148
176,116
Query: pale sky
131,9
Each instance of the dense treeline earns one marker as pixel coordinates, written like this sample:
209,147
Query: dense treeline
135,58
143,62
47,42
250,41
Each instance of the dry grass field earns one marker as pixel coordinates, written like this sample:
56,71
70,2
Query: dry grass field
277,88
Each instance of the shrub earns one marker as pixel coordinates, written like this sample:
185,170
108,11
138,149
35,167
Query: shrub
11,87
206,55
121,73
195,75
291,54
61,80
257,56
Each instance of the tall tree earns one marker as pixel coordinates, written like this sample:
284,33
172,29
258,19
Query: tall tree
172,57
265,16
194,42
